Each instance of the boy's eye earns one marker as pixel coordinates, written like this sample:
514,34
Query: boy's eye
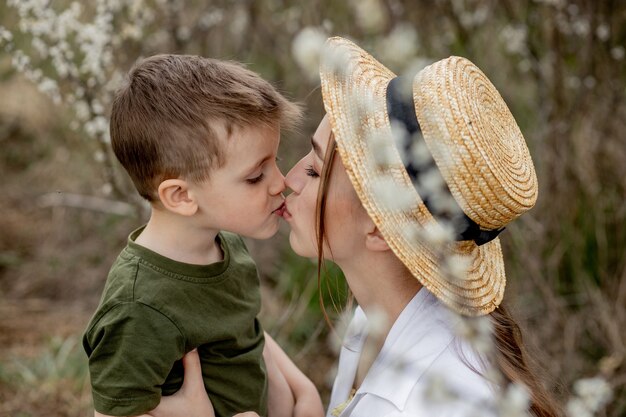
255,179
311,172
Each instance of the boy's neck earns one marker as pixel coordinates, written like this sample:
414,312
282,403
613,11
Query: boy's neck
178,238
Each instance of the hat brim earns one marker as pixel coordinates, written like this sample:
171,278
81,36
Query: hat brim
354,86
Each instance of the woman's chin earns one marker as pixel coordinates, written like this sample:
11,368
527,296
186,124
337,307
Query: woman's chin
307,251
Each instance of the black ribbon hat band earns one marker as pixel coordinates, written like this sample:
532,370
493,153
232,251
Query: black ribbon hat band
401,110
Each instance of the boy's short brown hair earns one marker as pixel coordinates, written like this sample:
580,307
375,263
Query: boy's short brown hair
163,119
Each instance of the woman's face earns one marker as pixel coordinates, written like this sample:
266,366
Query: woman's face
345,218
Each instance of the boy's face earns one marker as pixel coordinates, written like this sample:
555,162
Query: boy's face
245,194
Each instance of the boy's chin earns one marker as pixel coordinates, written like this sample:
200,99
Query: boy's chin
265,233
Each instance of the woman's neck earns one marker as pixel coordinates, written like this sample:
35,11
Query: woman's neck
380,283
383,287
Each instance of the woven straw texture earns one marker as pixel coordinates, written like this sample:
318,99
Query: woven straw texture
476,144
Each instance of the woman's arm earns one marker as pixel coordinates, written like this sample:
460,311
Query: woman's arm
280,398
308,401
192,400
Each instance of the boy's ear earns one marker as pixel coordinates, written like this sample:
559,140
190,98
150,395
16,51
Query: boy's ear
175,197
375,241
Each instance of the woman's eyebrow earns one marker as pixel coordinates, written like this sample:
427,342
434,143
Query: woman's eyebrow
317,149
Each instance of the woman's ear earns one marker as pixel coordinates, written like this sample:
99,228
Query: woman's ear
375,241
175,197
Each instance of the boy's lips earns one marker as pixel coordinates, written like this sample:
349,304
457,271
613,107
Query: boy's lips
280,210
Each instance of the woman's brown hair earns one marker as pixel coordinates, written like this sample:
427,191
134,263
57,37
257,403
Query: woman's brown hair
512,360
320,210
511,356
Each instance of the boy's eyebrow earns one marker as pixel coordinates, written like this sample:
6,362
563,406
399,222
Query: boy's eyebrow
258,164
317,149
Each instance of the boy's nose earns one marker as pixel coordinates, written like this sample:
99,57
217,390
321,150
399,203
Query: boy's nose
278,184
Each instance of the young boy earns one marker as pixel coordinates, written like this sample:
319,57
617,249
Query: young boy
198,137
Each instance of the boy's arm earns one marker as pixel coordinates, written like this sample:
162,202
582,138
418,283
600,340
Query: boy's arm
308,401
128,359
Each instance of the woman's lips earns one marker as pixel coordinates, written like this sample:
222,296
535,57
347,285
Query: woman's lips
285,212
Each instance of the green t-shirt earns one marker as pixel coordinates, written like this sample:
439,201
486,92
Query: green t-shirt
154,310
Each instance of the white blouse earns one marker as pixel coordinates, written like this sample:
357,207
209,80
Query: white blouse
421,369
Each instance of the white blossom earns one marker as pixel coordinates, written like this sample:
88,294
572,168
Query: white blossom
377,321
572,82
328,26
20,60
342,331
212,18
107,189
370,15
97,127
438,233
514,38
430,182
603,32
413,67
81,110
572,9
470,19
412,233
514,401
581,27
420,154
477,331
183,33
307,48
399,135
5,35
399,47
382,148
239,21
99,156
576,408
97,107
457,265
337,59
589,82
48,86
392,195
617,53
594,393
438,390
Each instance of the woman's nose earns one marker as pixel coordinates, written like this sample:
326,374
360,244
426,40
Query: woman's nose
292,179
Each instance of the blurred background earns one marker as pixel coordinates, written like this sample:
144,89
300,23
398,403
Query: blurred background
67,207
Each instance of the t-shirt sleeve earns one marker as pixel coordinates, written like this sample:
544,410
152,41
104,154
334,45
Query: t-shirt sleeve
131,351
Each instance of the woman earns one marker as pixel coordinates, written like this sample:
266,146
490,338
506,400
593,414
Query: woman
430,170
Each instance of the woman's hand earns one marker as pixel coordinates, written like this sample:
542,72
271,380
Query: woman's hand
191,400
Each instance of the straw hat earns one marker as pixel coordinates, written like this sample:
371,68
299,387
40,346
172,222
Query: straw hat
439,164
